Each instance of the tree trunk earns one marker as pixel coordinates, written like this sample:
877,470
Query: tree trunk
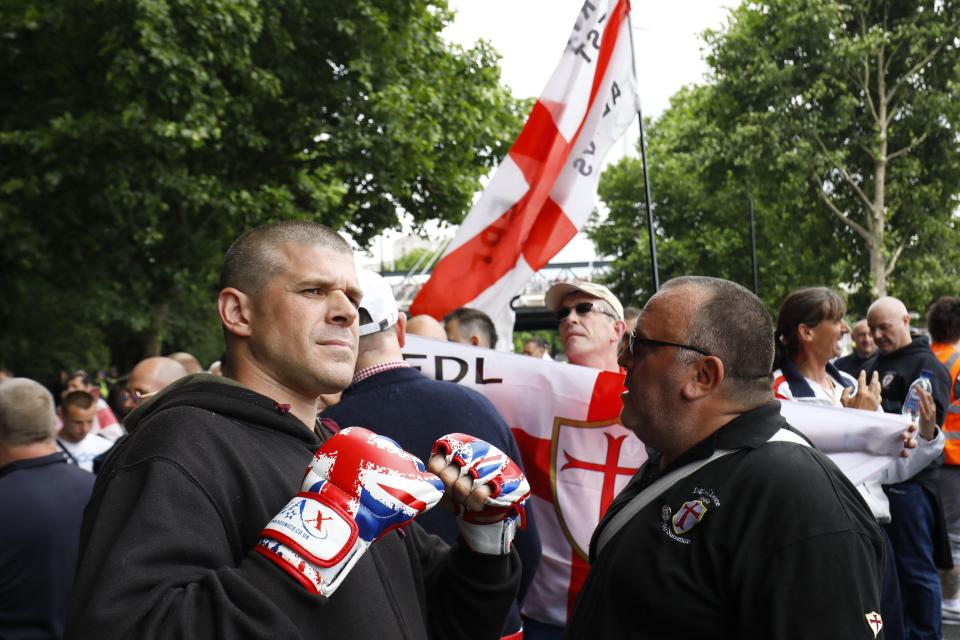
878,210
155,333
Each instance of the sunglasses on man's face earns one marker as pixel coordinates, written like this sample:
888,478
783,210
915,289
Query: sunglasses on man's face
635,342
582,309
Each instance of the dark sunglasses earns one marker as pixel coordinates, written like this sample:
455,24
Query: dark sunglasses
582,309
649,342
135,396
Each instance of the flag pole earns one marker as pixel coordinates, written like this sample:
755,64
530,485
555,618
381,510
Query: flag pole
643,160
753,249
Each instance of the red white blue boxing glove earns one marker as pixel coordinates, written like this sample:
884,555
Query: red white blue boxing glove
490,530
359,487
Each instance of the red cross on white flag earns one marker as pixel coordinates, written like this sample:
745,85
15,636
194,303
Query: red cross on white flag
546,187
576,454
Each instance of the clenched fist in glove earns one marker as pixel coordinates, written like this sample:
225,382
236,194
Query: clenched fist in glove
490,527
359,486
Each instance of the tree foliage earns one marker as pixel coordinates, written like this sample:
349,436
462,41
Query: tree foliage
139,137
840,119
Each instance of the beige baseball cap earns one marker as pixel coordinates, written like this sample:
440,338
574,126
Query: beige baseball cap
561,290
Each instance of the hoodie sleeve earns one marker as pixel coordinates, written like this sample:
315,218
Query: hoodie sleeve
468,595
157,562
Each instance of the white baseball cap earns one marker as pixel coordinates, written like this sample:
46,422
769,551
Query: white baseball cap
378,301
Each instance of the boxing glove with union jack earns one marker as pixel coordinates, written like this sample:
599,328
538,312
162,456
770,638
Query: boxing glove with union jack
358,487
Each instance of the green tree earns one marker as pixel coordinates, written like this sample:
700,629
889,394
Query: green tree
701,213
858,97
138,137
783,120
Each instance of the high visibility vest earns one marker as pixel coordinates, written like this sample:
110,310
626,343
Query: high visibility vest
950,357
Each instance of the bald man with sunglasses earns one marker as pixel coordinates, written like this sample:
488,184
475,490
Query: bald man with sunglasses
736,527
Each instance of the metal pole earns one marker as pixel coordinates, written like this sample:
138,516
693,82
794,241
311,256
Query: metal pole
646,178
753,249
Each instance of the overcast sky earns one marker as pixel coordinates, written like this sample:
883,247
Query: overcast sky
530,35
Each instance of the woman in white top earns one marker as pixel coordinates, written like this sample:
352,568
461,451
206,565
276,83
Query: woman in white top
809,324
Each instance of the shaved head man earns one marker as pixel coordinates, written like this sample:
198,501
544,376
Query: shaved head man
188,360
917,531
699,549
470,326
149,376
178,540
889,324
426,327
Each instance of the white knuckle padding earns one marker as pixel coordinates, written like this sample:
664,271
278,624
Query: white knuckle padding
494,538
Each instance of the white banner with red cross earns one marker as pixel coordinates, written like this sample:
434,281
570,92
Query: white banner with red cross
576,454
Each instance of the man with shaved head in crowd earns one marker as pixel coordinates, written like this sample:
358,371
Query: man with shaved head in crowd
149,376
471,326
917,527
426,327
188,360
735,527
230,511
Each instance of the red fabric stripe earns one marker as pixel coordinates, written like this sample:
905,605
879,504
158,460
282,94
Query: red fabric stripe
538,142
607,45
606,403
578,575
550,233
473,267
535,453
776,388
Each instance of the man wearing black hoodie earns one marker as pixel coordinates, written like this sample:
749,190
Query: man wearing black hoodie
179,539
917,529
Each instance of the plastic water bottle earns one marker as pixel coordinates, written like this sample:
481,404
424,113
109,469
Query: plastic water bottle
911,405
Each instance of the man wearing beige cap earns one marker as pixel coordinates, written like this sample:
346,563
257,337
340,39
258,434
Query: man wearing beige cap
591,323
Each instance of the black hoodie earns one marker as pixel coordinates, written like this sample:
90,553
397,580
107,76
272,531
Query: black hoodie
167,537
900,368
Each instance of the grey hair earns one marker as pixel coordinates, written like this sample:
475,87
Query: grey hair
26,413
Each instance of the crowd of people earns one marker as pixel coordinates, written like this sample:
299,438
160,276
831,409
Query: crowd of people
297,494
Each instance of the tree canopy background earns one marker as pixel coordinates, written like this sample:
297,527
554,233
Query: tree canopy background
841,119
138,138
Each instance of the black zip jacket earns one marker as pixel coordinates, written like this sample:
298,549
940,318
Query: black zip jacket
166,543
